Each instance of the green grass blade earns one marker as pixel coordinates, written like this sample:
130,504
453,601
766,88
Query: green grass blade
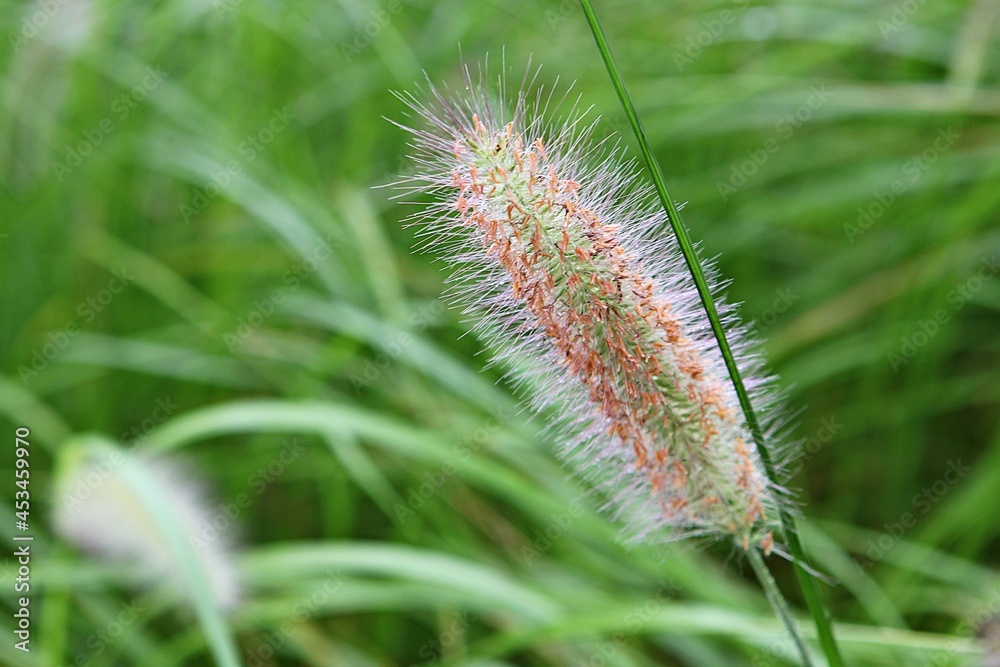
218,634
778,603
808,584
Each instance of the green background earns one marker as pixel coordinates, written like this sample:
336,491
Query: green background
218,160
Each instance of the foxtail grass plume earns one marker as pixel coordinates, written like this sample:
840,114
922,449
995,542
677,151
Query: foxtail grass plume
103,511
560,254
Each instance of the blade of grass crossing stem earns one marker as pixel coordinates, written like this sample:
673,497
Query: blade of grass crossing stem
778,603
810,589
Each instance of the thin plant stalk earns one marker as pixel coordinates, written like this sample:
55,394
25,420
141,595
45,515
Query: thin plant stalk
778,602
808,584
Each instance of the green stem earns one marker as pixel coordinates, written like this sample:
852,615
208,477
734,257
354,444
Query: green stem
778,603
810,588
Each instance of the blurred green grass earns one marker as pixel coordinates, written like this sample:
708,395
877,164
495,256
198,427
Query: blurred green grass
270,293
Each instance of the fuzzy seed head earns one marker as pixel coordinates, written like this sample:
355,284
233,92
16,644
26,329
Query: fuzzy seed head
563,259
100,512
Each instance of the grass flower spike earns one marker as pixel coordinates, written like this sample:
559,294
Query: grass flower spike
124,507
557,248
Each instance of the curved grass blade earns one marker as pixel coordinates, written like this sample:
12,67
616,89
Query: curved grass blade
218,634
